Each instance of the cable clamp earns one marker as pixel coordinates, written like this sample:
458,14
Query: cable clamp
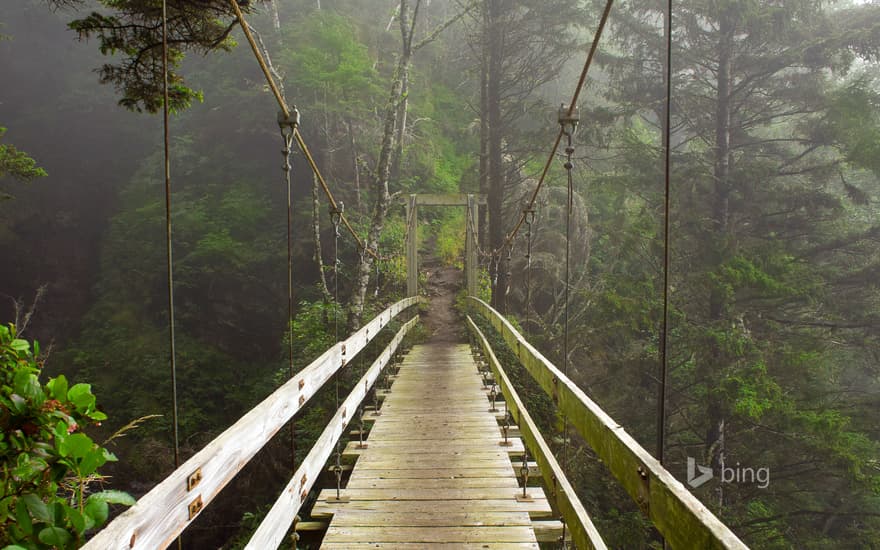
568,120
336,213
289,121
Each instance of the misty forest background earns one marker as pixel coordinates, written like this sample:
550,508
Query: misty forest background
775,306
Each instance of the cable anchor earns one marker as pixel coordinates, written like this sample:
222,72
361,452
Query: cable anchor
568,120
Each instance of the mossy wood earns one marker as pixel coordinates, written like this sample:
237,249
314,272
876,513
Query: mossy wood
583,532
471,203
679,516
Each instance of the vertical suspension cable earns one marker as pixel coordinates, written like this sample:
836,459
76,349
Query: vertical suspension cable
335,218
664,327
529,217
287,125
169,262
568,120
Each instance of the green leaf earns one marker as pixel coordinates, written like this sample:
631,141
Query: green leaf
93,460
23,518
27,385
27,467
56,536
76,445
37,508
81,397
98,510
77,520
114,497
58,388
20,345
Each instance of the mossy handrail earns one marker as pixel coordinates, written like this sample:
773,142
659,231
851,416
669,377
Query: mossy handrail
678,515
583,532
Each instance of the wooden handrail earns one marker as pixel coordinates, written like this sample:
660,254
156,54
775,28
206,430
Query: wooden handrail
171,506
270,533
583,532
679,516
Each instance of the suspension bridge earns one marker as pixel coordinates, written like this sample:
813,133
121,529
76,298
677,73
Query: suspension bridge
433,447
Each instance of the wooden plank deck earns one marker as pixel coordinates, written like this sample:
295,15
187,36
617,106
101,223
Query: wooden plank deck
433,474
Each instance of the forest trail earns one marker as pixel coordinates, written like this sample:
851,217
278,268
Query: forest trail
441,319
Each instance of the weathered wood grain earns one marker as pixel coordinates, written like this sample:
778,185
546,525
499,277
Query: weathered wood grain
162,514
270,534
433,471
583,531
684,521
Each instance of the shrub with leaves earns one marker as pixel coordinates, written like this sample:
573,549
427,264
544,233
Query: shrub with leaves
48,462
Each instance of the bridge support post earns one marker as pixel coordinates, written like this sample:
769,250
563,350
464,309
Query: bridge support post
412,247
470,260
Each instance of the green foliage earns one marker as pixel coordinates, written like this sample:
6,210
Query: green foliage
449,246
48,462
133,29
853,120
331,65
17,164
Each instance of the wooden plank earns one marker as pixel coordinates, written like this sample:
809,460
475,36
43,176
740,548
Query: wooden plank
405,448
162,514
270,533
446,199
507,534
463,493
506,482
537,509
549,531
441,473
433,471
584,532
351,518
434,545
681,518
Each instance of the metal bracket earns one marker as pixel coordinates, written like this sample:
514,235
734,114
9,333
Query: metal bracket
566,119
195,507
193,480
644,497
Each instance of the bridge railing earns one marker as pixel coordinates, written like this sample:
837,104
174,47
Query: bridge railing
583,532
171,506
676,513
270,533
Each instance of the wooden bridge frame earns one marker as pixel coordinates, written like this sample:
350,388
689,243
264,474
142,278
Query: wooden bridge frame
161,515
678,515
471,202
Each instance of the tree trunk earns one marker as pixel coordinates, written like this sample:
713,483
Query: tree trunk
402,108
484,127
383,169
354,165
316,235
496,171
716,411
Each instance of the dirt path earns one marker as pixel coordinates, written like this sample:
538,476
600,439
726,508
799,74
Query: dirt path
441,320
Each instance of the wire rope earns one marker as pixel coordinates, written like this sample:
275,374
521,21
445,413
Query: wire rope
571,109
664,327
286,112
169,260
